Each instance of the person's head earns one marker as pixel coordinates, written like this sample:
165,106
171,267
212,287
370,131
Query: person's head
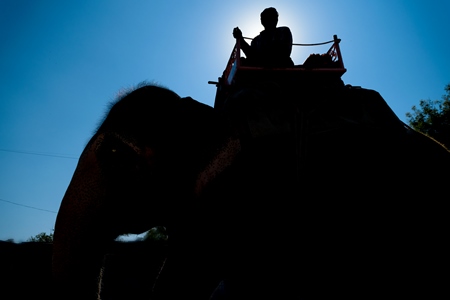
269,18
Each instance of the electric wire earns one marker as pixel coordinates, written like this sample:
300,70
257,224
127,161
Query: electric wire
39,153
28,206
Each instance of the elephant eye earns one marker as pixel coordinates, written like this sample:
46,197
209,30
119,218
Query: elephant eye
115,155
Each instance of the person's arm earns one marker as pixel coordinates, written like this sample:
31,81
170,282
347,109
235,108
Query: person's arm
237,34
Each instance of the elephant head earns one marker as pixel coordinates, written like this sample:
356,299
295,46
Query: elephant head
147,165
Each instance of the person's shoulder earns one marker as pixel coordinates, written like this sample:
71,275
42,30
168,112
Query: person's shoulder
284,28
256,39
284,32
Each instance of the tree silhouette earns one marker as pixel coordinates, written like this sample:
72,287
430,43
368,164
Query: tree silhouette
432,118
42,238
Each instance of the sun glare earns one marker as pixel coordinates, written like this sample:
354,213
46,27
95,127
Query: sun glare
248,20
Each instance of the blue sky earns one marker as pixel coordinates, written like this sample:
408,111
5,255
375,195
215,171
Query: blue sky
62,62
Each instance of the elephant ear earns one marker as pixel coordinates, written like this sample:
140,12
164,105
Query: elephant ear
218,146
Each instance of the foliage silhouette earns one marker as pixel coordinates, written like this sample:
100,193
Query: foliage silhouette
432,118
41,238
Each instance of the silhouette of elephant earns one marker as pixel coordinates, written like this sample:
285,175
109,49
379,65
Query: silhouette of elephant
325,193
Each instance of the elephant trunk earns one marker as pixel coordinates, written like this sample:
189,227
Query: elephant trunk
75,270
80,237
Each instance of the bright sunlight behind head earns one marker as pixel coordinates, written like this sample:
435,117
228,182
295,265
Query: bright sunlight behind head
249,21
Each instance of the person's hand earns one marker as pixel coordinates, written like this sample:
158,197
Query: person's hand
237,33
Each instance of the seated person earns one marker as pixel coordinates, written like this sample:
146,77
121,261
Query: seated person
272,47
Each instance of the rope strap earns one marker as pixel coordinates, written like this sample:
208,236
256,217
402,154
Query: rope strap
316,44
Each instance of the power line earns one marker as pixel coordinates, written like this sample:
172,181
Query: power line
27,206
39,153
